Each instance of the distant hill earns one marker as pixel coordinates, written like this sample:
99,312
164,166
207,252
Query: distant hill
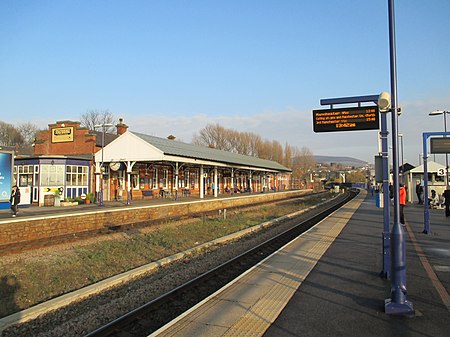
346,161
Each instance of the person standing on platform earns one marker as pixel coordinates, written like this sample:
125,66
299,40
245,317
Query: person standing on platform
391,191
446,195
14,200
402,201
419,192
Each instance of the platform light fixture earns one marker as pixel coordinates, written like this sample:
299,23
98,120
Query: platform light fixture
384,101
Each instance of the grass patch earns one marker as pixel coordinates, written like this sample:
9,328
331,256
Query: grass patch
30,278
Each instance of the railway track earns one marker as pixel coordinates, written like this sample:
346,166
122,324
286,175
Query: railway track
18,247
156,313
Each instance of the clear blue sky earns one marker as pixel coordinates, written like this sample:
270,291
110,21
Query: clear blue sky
171,67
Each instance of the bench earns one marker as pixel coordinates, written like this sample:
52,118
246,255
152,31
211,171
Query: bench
165,193
146,193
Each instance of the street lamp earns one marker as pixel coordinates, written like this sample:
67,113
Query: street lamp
100,191
443,113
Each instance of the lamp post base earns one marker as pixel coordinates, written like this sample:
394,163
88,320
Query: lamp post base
403,309
386,272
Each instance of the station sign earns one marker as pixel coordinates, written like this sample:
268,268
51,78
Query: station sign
440,145
346,119
63,134
441,172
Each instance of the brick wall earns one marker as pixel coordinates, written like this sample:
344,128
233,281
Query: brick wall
27,229
83,141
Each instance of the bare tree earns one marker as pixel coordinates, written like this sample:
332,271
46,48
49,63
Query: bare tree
277,152
206,137
251,144
9,135
97,117
254,143
265,150
244,144
28,131
287,161
303,161
234,139
214,136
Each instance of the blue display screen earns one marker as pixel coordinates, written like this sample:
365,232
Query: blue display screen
5,175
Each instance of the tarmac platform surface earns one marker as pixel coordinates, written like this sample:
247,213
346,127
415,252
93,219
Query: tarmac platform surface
342,294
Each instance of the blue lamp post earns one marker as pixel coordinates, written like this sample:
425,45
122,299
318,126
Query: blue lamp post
397,304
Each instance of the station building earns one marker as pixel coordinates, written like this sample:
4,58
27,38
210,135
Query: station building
60,164
69,160
435,179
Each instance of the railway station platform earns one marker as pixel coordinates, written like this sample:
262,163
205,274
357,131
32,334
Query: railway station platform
327,283
27,211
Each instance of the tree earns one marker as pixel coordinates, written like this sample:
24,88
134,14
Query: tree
214,136
355,177
287,161
277,152
97,117
28,131
251,144
303,161
9,135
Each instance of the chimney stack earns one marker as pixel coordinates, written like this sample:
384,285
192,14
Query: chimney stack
121,128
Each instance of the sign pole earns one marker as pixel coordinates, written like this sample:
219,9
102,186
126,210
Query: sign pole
426,214
386,273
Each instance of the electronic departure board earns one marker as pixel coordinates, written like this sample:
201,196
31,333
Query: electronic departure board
346,119
440,145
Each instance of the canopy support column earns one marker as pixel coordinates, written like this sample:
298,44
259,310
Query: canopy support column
202,183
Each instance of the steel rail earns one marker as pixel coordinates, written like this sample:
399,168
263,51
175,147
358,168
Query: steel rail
145,319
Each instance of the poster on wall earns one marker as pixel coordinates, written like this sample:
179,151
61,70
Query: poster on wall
6,164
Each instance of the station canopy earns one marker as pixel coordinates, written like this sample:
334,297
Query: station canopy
138,147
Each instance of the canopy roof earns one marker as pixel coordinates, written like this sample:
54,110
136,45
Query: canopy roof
135,146
431,167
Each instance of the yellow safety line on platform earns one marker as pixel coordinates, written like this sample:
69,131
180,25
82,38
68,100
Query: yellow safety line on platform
297,260
264,312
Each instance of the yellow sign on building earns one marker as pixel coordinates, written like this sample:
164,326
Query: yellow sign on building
60,135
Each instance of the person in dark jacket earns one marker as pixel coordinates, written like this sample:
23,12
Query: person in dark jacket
14,200
419,192
447,202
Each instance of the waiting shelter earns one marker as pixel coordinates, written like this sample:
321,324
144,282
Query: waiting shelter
436,179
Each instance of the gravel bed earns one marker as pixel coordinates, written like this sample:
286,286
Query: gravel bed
84,316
